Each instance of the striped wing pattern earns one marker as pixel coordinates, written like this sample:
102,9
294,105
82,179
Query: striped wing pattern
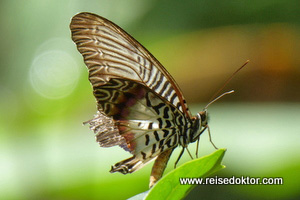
140,107
109,52
154,126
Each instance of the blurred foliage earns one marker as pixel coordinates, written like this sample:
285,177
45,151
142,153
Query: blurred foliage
45,153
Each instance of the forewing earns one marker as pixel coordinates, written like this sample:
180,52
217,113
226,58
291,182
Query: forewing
109,52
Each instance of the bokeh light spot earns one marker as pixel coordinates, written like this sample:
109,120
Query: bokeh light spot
54,74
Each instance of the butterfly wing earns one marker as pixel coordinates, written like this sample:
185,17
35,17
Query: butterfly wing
141,108
140,122
109,52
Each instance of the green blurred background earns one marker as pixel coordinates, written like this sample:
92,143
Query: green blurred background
46,153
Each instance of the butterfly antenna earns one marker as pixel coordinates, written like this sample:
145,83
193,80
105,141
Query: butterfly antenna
219,97
227,81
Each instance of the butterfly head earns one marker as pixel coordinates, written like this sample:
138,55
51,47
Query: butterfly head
203,118
200,124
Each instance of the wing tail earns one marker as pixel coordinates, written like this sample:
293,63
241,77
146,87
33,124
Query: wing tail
129,165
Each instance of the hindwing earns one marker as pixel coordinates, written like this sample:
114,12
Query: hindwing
137,119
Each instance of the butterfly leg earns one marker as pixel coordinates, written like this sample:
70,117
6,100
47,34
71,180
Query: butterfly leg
197,148
208,130
159,166
198,140
179,157
189,153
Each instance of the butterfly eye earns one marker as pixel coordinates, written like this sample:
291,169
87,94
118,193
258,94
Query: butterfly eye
203,117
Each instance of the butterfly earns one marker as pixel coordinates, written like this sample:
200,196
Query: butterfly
140,107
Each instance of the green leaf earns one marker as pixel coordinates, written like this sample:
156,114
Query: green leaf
169,186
